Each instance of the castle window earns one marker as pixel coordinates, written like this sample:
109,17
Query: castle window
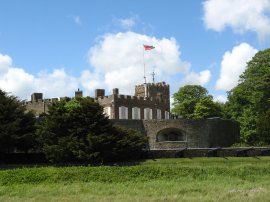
136,113
107,111
159,114
167,115
147,113
123,112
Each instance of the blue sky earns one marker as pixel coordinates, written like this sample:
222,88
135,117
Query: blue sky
55,47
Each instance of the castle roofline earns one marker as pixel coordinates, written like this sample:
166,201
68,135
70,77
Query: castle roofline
163,83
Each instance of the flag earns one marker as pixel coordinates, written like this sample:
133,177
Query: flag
147,47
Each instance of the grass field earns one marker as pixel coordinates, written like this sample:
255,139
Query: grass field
197,179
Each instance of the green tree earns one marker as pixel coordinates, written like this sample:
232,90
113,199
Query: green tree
77,130
263,127
186,98
17,126
248,101
207,108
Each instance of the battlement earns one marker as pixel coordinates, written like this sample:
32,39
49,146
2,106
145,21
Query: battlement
131,98
47,100
163,84
105,97
127,98
154,91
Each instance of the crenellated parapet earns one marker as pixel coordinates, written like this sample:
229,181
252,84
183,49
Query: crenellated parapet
159,91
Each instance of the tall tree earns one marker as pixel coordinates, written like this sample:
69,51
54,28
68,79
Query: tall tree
207,108
248,102
263,127
78,130
186,98
17,126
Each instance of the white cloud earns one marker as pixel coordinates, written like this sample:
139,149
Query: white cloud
119,58
127,23
220,98
56,84
233,65
17,82
90,81
240,15
5,63
20,83
77,20
200,78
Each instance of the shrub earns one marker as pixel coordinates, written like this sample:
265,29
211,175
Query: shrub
17,126
77,130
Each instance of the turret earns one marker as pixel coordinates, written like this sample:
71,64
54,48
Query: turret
99,93
78,93
36,96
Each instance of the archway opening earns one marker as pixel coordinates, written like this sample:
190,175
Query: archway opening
170,134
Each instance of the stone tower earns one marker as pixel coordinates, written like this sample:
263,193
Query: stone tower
36,97
78,93
159,91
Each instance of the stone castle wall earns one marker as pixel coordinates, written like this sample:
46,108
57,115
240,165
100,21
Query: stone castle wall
197,133
38,107
115,101
151,95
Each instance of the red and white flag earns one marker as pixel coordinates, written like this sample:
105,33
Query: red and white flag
147,47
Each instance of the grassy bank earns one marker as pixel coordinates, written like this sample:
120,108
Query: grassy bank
198,179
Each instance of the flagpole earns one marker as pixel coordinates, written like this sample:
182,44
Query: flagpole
144,67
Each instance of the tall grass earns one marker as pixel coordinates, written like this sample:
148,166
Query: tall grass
198,179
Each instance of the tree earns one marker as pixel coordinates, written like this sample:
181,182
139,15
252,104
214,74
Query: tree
186,99
263,127
17,126
77,130
207,108
248,101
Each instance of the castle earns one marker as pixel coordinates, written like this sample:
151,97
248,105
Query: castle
148,112
151,101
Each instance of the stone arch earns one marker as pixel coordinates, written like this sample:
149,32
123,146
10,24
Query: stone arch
170,134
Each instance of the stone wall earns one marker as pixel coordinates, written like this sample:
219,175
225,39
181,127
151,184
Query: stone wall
115,101
37,107
196,133
40,106
222,132
207,152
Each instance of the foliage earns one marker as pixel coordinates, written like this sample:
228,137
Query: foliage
263,127
207,108
77,130
194,102
248,101
186,99
16,125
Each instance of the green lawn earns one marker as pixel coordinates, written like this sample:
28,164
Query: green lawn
197,179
